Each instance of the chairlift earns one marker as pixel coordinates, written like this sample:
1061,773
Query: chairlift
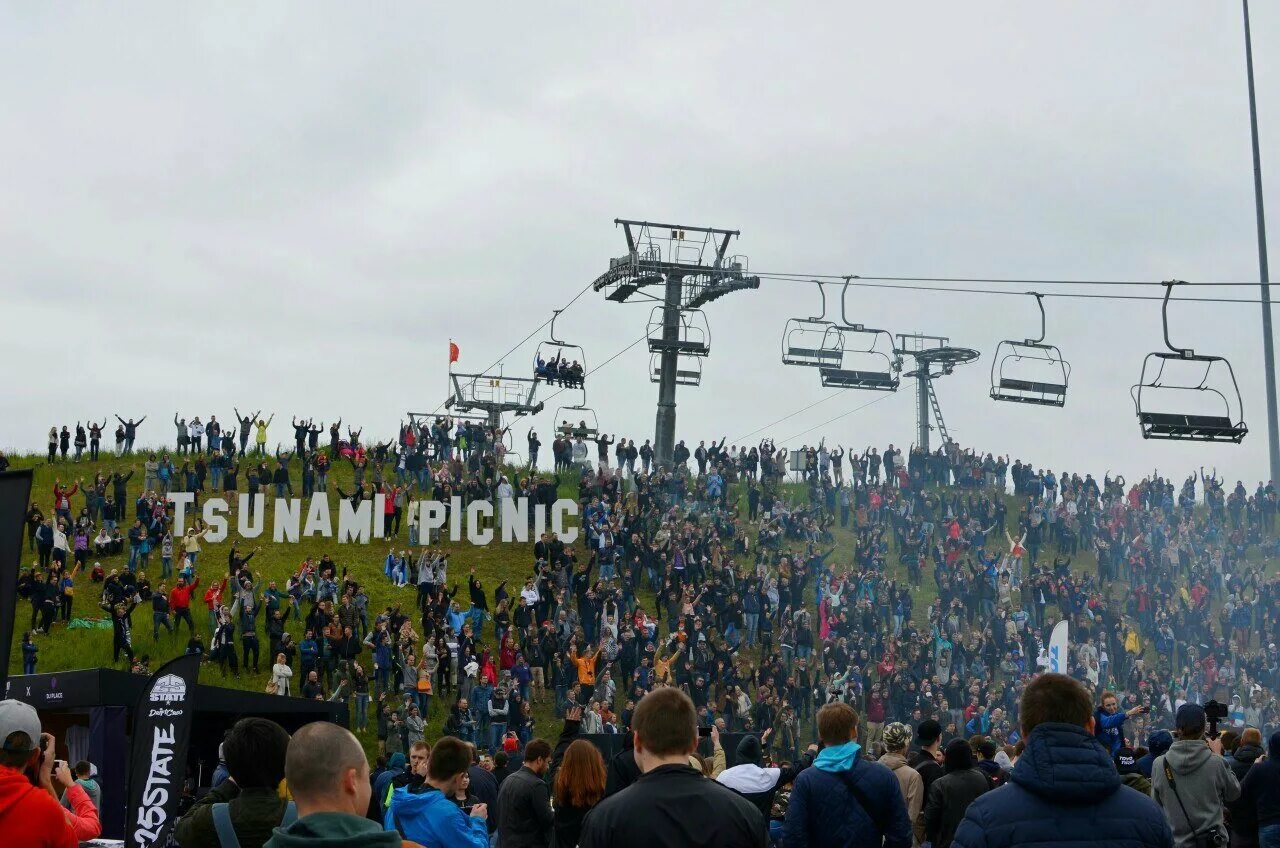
1030,371
558,362
688,370
1171,380
868,358
574,421
692,338
814,342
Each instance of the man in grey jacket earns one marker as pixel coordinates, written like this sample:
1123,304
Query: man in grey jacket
1192,782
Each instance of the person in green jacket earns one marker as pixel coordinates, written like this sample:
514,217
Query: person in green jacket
249,801
328,776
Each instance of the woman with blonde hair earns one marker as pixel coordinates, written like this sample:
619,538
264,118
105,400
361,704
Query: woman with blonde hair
281,674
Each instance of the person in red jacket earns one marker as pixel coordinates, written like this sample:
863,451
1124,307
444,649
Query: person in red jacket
180,602
213,601
31,815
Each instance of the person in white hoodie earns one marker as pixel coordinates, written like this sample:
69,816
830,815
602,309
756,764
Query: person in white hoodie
756,783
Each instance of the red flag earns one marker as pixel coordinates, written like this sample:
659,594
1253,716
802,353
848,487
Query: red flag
453,352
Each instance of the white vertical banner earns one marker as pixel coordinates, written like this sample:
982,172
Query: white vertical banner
1058,648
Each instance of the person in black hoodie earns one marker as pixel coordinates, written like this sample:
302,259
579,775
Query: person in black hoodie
950,795
754,782
1260,796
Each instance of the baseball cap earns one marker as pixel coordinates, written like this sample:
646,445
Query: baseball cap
928,730
18,716
1190,717
1126,761
511,745
896,736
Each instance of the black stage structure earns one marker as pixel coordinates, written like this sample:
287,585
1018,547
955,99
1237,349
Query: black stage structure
103,700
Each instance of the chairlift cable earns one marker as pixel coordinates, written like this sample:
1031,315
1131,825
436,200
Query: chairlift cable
856,281
838,417
523,341
802,278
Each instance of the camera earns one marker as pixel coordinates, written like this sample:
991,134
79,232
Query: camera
1214,712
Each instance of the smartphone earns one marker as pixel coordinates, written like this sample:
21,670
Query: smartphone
704,732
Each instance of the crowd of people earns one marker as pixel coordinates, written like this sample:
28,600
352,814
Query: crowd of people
917,588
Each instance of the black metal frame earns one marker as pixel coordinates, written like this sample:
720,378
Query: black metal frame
886,380
1229,427
691,328
582,428
688,370
1039,392
796,330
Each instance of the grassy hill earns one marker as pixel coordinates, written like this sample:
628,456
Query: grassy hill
84,648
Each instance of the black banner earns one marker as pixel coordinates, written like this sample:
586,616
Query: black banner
158,766
15,494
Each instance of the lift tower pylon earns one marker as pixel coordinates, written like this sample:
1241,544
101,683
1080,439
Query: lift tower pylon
694,268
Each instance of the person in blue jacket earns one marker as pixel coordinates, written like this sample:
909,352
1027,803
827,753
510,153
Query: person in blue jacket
427,815
845,799
1108,721
1065,775
1158,743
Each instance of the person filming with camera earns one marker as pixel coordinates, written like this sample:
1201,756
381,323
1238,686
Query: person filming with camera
1192,782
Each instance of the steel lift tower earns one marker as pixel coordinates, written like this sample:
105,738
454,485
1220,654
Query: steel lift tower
935,357
693,266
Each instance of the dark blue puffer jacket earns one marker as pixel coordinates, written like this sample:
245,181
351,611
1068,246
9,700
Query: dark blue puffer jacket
822,813
1063,792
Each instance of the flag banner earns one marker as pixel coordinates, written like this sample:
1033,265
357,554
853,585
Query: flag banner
158,766
15,497
453,353
1058,648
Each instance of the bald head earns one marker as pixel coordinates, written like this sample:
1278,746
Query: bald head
326,769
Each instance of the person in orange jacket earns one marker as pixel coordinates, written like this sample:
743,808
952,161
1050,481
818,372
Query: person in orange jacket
586,670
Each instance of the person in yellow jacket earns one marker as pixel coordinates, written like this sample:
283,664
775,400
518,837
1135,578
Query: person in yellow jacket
261,436
1132,642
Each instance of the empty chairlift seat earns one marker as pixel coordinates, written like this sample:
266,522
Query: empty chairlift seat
1030,371
691,335
1185,396
868,360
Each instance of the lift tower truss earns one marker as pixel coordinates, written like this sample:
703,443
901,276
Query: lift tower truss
693,267
935,357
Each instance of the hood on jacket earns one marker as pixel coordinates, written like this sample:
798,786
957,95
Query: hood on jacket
957,756
1064,763
837,757
749,778
1158,742
333,830
1247,753
749,751
1187,755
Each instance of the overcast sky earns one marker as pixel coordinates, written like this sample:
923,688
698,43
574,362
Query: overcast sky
294,207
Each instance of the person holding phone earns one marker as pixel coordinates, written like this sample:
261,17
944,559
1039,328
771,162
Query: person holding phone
35,818
1108,722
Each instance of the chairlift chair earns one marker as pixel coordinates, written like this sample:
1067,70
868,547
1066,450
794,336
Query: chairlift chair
814,342
1030,371
693,336
688,370
1164,383
868,358
577,421
554,349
